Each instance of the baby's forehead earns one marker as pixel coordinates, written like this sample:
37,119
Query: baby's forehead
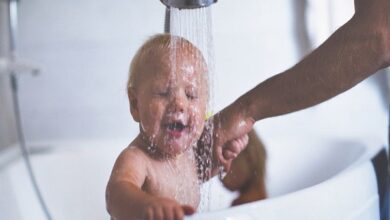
183,61
173,76
184,52
176,77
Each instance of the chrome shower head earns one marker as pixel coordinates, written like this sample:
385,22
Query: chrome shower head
187,4
182,4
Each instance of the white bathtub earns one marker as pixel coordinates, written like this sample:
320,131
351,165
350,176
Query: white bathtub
314,179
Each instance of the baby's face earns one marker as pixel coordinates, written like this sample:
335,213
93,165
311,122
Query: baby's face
172,99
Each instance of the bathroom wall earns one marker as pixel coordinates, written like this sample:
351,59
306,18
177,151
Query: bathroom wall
85,48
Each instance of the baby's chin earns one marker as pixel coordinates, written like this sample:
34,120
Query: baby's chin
170,147
174,149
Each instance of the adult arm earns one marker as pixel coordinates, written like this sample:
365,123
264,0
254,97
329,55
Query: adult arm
354,52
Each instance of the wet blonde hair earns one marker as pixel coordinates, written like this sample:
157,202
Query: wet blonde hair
158,43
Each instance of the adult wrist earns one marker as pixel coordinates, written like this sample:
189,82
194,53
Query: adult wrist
385,31
247,106
381,33
378,29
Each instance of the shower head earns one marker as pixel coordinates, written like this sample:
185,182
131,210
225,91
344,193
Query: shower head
182,4
187,4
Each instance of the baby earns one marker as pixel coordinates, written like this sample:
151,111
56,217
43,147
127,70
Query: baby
157,176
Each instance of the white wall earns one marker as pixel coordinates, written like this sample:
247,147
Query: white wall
85,48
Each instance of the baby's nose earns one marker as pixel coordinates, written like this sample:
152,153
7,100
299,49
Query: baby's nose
178,103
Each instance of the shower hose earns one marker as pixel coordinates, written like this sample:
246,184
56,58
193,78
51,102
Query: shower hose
23,147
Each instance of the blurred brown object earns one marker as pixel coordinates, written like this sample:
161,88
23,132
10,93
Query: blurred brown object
247,172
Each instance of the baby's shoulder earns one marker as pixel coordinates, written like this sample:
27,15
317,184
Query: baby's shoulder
133,156
134,152
131,165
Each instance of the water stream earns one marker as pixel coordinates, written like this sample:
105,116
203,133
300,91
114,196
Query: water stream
195,25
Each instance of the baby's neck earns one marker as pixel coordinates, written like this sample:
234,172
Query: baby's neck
154,153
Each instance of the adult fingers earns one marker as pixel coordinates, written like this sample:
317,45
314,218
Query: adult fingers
219,155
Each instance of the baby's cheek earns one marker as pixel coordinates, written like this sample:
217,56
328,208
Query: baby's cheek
198,114
200,122
152,120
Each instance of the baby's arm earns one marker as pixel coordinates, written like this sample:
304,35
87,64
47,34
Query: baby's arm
232,149
125,199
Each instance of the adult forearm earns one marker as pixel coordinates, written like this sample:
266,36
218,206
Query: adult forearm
354,52
351,54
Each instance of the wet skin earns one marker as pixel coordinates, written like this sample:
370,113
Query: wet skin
156,176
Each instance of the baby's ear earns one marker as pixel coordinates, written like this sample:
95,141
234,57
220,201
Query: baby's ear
133,104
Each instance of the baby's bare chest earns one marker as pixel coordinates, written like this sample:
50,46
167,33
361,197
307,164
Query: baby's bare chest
175,181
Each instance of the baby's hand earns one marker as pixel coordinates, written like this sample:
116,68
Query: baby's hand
166,209
231,150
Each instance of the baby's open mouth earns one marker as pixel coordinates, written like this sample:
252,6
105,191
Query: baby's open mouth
176,129
176,126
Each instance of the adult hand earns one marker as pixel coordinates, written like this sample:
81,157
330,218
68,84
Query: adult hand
230,125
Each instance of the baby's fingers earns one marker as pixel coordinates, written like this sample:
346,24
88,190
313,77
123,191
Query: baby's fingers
159,213
188,210
234,147
169,213
149,215
228,154
240,143
178,213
